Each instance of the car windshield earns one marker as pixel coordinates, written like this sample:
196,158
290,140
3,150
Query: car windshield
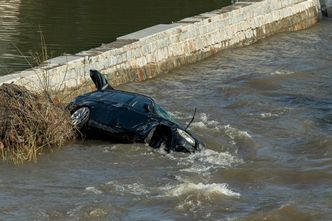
164,114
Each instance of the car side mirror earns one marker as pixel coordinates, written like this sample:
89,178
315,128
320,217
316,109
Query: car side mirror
147,108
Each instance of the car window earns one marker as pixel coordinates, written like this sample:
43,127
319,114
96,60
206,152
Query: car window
164,114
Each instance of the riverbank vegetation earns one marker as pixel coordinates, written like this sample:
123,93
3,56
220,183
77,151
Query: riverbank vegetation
32,123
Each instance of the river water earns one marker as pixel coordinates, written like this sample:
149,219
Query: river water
265,115
73,26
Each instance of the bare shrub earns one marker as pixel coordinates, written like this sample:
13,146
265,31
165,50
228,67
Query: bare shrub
30,123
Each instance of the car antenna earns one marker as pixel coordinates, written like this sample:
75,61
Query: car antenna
192,119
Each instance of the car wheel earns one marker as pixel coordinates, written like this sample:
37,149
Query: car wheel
162,137
162,141
80,117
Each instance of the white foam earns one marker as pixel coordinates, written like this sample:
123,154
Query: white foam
236,133
212,157
199,125
203,117
205,123
281,72
93,190
179,115
198,169
137,189
268,115
200,188
109,149
208,160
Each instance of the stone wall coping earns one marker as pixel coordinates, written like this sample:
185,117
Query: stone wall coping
148,32
160,48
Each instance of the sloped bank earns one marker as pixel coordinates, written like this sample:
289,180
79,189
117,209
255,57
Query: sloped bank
161,48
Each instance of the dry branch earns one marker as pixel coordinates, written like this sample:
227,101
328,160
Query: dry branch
30,123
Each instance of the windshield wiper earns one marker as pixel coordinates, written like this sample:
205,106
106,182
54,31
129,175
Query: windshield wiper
192,119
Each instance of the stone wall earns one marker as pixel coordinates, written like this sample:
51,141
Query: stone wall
161,48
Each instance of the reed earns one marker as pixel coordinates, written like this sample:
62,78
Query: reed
31,122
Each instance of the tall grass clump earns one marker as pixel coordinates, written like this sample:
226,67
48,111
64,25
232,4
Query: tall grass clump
32,122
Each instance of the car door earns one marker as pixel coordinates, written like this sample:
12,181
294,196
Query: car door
134,116
104,114
109,108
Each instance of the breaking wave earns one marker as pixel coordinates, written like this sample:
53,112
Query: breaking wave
212,157
191,197
236,133
206,190
93,189
207,161
204,123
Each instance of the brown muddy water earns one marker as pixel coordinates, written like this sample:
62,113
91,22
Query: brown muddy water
265,114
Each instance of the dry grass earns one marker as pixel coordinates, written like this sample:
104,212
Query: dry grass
30,123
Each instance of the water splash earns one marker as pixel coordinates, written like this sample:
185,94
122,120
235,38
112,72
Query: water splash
281,72
207,161
205,190
110,148
221,159
93,190
137,189
236,133
204,122
268,115
191,197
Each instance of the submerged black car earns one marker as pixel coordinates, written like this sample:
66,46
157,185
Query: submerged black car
128,117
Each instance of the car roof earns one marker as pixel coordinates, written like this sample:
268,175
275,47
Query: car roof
117,96
131,96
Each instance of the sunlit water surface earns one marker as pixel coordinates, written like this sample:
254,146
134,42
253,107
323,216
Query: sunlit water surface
264,112
70,26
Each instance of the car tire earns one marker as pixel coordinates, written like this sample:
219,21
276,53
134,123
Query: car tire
161,141
80,117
